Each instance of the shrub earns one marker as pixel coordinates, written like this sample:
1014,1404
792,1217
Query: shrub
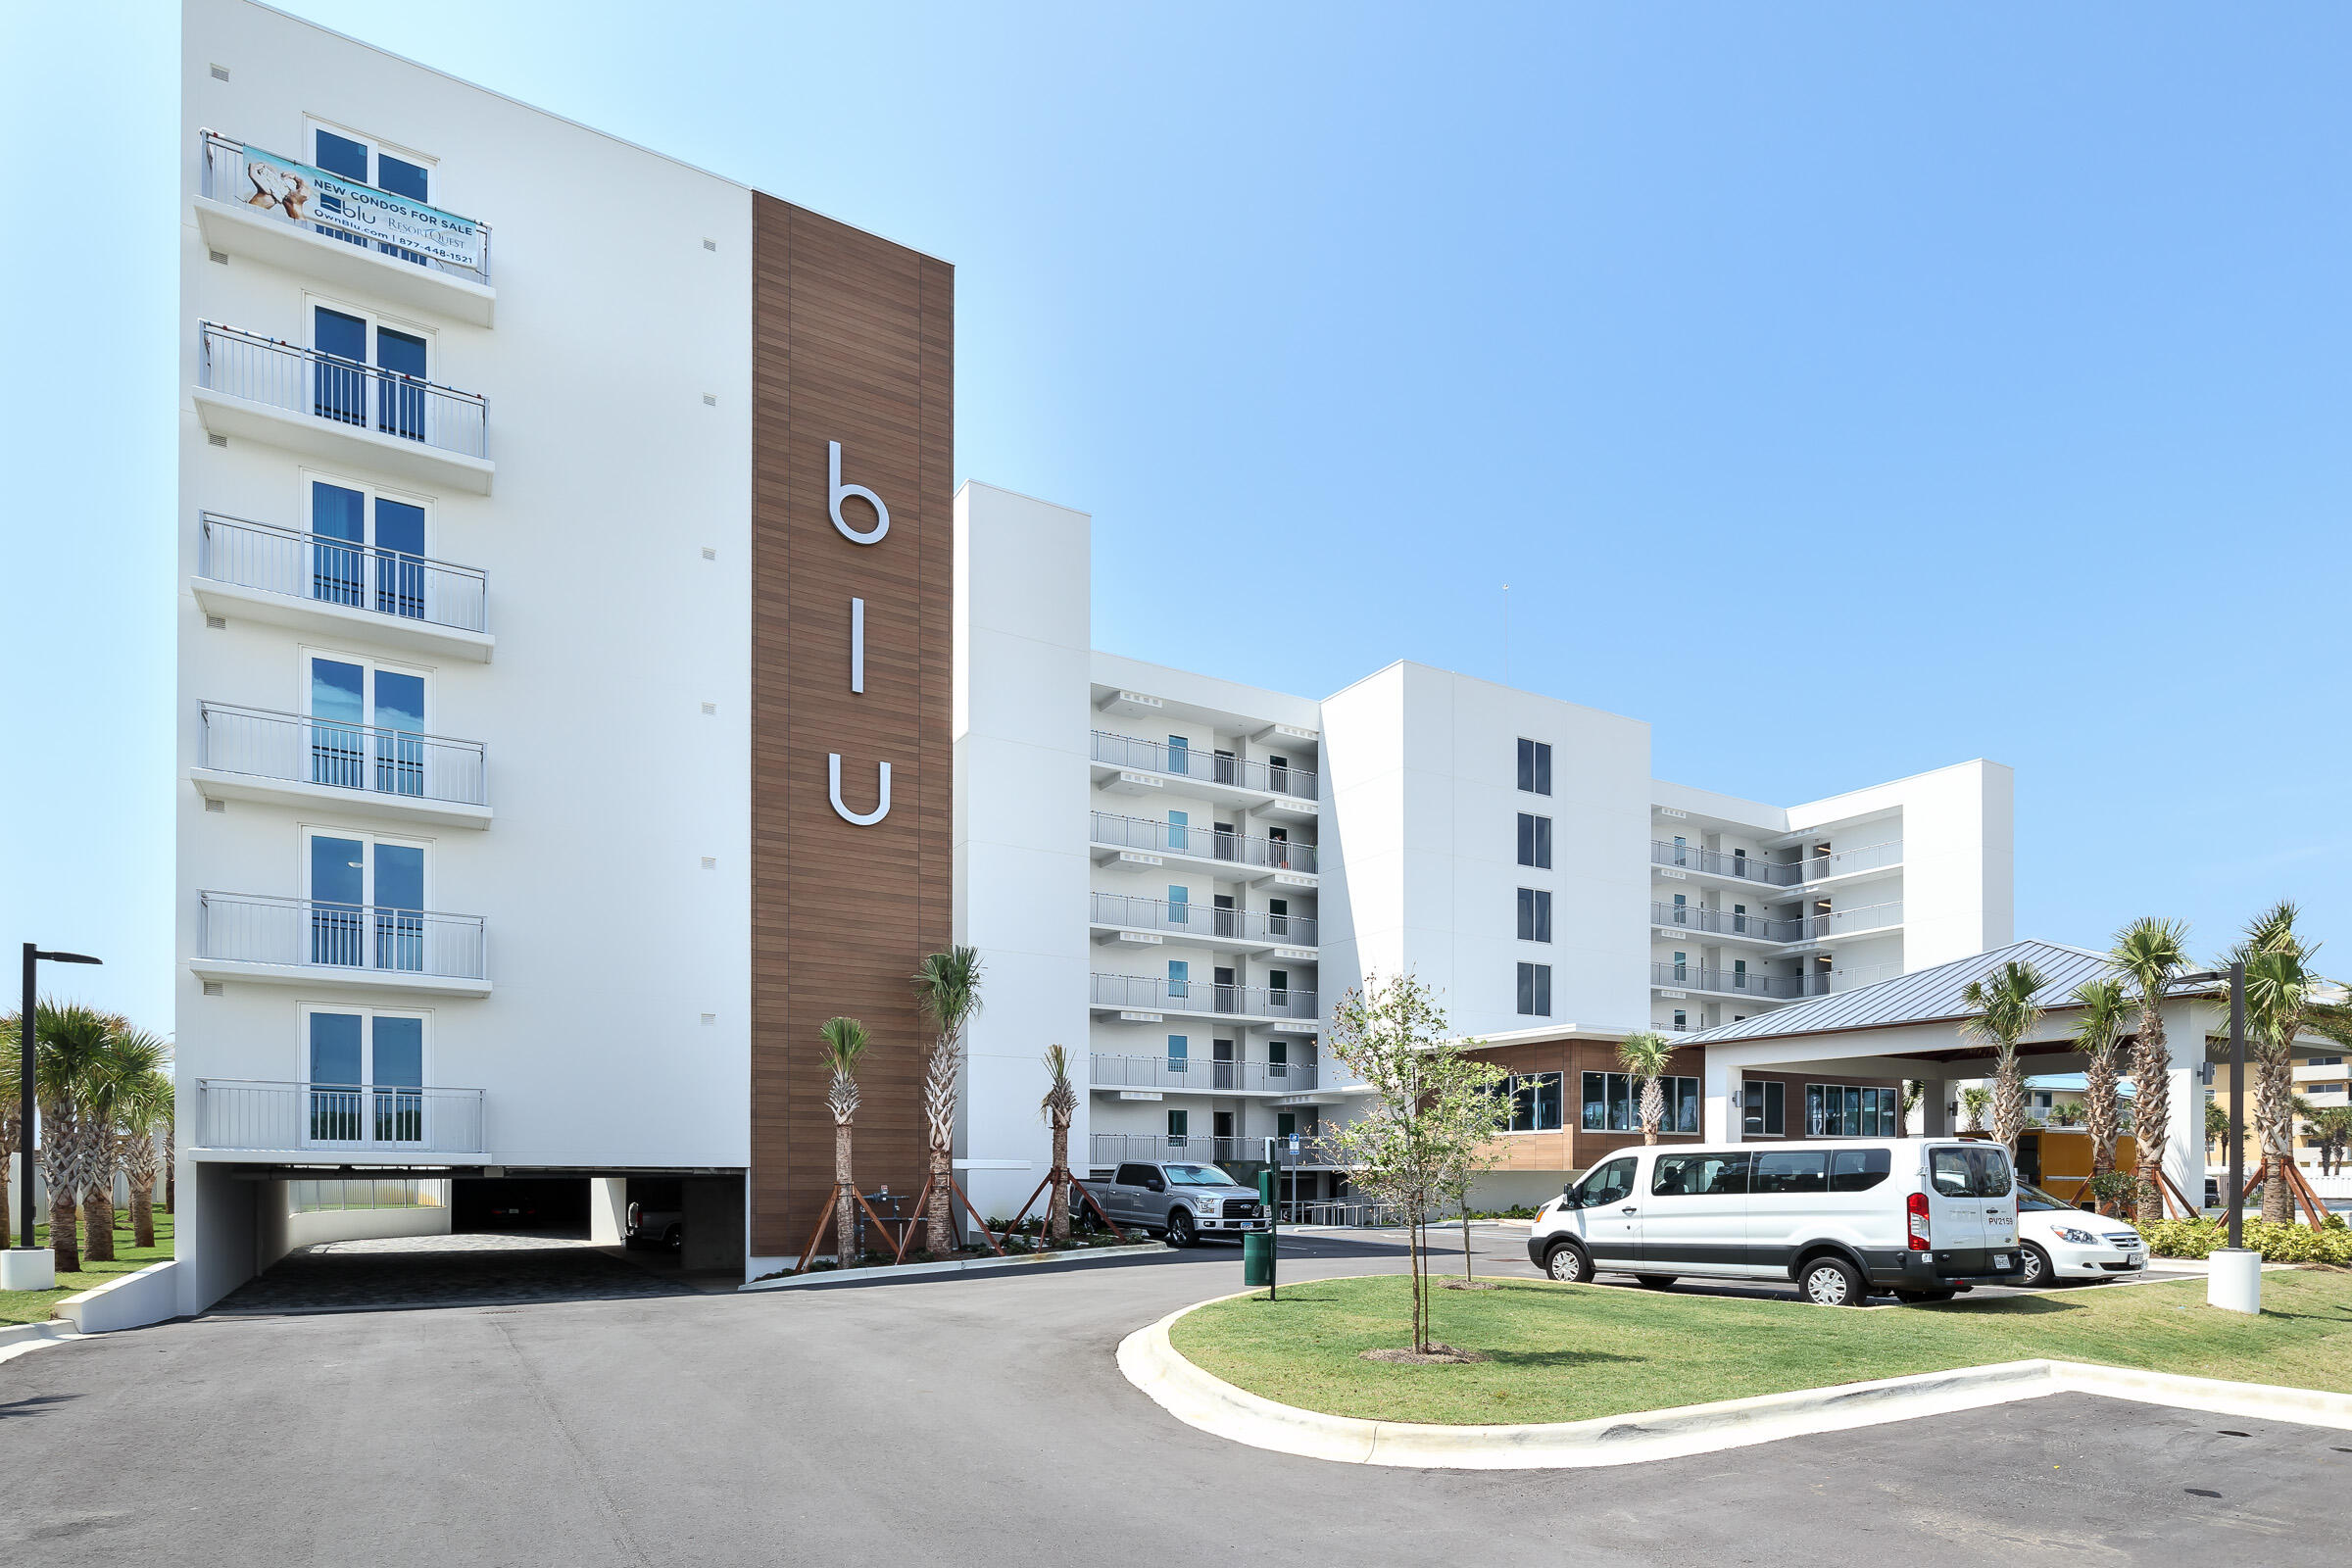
2278,1244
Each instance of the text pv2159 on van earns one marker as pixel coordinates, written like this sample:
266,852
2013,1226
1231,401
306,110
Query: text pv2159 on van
1917,1218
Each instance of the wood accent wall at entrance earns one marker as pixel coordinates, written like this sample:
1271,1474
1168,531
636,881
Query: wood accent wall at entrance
853,341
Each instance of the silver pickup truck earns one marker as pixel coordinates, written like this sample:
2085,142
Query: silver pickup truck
1181,1199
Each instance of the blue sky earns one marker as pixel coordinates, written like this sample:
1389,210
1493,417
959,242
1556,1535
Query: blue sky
1846,389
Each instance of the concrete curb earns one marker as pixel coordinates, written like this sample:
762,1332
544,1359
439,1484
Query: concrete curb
1201,1400
953,1265
26,1338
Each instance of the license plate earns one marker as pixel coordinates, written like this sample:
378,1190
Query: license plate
2000,1261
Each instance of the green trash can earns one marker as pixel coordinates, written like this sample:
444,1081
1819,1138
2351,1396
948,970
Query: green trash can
1258,1258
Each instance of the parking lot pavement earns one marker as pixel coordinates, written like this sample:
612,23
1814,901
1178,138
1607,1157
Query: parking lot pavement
980,1420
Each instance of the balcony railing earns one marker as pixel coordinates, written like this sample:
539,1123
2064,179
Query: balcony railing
1206,925
1143,992
1847,922
1727,923
345,392
1778,873
1201,843
1193,1075
348,756
1694,977
346,210
239,1113
339,571
312,933
1109,1148
1184,761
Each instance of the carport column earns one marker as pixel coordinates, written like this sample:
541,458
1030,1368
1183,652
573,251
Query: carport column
1936,1097
1724,1112
2184,1138
607,1209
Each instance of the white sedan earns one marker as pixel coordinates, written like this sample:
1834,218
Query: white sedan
2060,1242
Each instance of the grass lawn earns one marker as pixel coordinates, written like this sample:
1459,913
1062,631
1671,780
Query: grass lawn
1565,1353
36,1306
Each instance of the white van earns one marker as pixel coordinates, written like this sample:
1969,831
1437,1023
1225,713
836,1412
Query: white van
1918,1218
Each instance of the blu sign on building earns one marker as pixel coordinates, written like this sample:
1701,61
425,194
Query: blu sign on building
852,560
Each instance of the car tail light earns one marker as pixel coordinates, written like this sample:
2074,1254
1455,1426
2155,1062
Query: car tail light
1919,1222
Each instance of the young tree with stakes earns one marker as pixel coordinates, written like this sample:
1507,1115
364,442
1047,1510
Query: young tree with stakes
2097,1031
146,1109
2286,1000
1645,1057
947,989
1058,1106
845,1043
1433,1112
2004,1014
2149,953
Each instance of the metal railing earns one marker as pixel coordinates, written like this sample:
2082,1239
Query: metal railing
1194,1075
1726,922
1149,994
340,571
1210,768
262,183
1845,922
1207,924
245,1114
340,391
348,756
1201,843
314,933
1778,873
1341,1212
1109,1148
1698,977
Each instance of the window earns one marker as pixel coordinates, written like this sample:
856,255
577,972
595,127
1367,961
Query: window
1612,1103
1180,757
1179,979
1535,766
1277,917
1979,1170
1178,1126
1792,1171
1764,1112
366,725
1857,1170
340,556
1700,1175
1286,1124
1682,968
1179,826
1535,1102
1180,905
367,901
1133,1176
342,378
366,1077
1535,841
1220,1123
360,159
1682,1020
1535,914
1610,1182
1535,990
1850,1110
1179,1052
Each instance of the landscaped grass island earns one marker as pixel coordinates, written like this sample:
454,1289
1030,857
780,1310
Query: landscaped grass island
39,1306
1568,1352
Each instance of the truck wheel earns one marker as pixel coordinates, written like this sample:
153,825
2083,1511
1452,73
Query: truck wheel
1833,1282
1180,1229
1568,1263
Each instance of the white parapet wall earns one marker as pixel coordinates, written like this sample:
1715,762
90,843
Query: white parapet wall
133,1301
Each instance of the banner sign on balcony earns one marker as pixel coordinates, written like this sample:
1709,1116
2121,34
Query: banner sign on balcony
308,195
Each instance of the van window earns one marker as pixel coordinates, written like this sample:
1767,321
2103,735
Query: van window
1792,1171
1605,1182
1979,1170
1857,1170
1699,1175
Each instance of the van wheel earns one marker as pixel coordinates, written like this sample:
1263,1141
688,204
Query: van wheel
1654,1281
1180,1229
1568,1263
2033,1268
1833,1282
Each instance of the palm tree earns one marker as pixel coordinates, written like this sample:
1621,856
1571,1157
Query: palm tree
11,1141
2149,953
67,1069
2283,1002
1914,1090
1645,1057
2068,1113
145,1109
127,1061
2331,1130
2005,1013
2098,1030
845,1043
1060,1106
2217,1125
947,989
1974,1102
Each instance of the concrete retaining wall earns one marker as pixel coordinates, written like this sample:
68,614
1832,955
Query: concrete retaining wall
134,1300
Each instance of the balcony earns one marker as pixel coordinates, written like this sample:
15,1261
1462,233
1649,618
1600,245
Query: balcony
1246,930
1137,993
1218,849
304,941
1726,923
315,583
252,754
1216,776
283,214
1742,867
344,1121
1738,982
1187,1075
1885,916
1109,1148
323,406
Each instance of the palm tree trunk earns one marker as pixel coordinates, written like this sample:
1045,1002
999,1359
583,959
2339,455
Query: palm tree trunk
64,1254
8,1210
143,1213
937,1236
1057,1207
2099,1104
98,1220
2275,1121
2009,1100
1653,1108
845,1207
2151,1111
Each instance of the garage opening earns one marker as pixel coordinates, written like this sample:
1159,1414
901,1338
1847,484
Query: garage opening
538,1206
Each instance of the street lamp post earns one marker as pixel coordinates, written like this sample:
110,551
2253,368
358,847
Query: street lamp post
27,1054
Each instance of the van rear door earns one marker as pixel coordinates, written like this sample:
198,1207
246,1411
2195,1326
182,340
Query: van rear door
1955,1213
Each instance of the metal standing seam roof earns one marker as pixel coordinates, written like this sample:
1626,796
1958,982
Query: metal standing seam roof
1924,997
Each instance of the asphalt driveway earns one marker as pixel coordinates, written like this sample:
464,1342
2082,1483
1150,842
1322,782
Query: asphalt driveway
980,1420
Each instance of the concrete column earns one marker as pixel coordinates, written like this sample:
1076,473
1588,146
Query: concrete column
607,1209
1721,1117
2184,1138
1937,1095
